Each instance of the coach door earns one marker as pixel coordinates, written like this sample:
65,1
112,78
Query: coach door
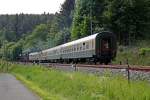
105,45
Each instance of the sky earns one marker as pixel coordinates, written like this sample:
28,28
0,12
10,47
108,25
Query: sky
29,6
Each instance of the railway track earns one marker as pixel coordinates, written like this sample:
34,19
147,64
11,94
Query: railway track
128,67
128,71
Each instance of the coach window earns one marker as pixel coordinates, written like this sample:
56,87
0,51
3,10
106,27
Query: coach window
59,50
67,49
70,49
92,44
77,47
74,47
87,45
83,46
83,43
80,47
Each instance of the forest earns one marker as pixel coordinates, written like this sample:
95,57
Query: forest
25,33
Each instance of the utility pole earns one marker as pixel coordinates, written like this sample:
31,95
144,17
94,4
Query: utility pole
4,50
91,24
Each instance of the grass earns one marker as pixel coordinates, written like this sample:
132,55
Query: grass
5,66
133,58
137,54
57,85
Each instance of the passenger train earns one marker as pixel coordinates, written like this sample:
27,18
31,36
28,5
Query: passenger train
100,47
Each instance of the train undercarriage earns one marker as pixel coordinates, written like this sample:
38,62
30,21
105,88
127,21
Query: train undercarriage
92,60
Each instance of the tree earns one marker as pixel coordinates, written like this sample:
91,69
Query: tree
66,12
40,33
128,18
85,12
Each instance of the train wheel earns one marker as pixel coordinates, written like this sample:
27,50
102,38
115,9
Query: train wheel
101,62
106,62
95,62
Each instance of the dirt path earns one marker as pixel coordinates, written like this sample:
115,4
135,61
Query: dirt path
12,89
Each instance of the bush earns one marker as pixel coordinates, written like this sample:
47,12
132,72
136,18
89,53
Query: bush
144,51
121,48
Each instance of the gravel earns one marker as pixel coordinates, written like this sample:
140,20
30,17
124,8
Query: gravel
134,75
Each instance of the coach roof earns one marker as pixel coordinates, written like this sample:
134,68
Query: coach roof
91,37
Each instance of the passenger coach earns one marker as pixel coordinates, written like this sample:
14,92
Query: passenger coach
100,47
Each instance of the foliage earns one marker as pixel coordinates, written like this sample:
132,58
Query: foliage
5,66
8,35
137,54
38,35
14,27
144,51
66,13
129,19
11,50
55,32
133,58
85,12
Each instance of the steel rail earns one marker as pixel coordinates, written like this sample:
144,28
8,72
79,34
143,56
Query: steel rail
131,67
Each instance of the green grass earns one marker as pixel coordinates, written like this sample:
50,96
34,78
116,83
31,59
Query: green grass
134,58
137,54
57,85
4,66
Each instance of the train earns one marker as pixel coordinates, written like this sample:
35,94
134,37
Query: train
100,47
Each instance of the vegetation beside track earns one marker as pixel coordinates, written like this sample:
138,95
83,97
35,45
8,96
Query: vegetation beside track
137,54
58,85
